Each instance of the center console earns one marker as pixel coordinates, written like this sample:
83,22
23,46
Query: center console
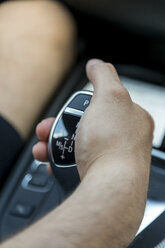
30,192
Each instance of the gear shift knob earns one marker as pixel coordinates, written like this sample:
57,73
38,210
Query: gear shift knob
62,139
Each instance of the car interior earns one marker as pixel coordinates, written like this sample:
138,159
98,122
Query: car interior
130,35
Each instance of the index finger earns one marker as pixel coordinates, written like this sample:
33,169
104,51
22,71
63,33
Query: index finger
43,129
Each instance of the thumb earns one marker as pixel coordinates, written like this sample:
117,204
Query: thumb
103,76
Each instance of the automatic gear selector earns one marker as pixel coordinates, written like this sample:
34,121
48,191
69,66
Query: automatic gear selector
62,140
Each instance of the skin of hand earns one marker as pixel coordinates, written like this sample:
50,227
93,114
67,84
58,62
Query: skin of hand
113,151
122,128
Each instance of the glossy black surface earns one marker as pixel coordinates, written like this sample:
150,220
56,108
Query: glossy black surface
63,141
80,102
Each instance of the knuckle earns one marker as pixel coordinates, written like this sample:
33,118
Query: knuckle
111,66
151,123
119,92
148,122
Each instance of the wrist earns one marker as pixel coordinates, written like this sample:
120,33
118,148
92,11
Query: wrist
139,162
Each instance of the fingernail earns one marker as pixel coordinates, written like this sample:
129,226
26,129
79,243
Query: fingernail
94,62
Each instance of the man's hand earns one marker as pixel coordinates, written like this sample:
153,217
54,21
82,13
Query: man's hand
112,126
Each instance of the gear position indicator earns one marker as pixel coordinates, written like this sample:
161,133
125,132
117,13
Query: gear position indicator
63,142
63,133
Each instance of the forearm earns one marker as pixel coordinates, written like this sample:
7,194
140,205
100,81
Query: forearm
102,212
107,208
